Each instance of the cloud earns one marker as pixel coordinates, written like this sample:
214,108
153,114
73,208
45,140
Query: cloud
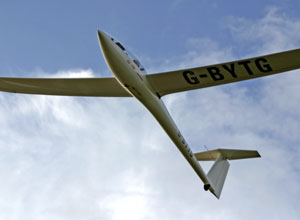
105,158
275,31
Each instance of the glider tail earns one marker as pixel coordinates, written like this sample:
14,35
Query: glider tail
218,172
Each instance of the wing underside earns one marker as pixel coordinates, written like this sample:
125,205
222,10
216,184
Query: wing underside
107,87
201,77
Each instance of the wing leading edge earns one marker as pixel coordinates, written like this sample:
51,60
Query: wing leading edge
213,75
107,87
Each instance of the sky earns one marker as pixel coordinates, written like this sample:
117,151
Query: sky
107,158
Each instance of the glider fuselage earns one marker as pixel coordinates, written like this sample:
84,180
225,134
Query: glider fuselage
131,75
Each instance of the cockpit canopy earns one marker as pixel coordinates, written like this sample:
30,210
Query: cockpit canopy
130,55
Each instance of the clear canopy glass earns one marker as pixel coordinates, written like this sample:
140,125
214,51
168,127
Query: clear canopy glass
130,55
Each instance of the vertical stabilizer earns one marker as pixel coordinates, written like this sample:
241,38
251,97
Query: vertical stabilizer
217,175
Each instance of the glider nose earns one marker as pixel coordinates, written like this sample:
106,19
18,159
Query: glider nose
102,37
109,50
106,43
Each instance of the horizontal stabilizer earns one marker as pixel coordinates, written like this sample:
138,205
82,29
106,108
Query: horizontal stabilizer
228,154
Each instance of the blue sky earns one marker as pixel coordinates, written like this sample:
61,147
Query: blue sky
55,35
100,158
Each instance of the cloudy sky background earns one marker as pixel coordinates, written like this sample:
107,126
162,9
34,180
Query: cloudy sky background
107,158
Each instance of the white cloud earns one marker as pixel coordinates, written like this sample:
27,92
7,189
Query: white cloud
274,32
105,158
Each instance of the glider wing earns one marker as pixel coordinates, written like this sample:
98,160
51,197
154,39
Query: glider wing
108,87
213,75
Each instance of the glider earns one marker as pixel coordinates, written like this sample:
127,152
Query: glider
131,80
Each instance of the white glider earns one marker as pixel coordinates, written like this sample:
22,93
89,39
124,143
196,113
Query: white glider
131,80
